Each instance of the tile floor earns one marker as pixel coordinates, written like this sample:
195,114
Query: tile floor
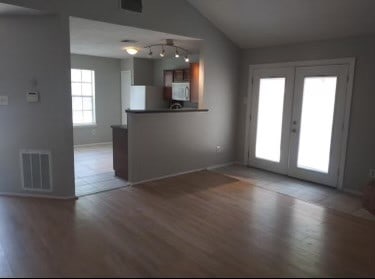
94,170
309,192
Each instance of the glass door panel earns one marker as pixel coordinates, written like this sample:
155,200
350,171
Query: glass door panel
318,106
270,118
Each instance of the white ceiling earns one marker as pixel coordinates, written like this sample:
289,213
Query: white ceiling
259,23
10,10
103,39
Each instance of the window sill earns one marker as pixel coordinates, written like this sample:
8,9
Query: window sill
93,125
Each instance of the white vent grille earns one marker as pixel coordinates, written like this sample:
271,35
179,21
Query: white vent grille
36,170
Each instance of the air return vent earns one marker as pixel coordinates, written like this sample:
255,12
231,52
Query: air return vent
36,170
131,5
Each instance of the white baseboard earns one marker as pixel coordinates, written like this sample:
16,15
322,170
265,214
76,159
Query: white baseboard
214,167
353,192
164,177
181,173
93,144
19,195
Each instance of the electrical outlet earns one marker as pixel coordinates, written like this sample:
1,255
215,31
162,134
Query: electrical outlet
219,149
372,173
4,100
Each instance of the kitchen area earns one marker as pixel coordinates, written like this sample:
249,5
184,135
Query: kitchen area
173,87
121,77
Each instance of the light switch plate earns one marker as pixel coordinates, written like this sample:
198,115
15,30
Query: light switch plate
4,101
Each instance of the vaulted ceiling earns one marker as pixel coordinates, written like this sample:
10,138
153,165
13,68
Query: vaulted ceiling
259,23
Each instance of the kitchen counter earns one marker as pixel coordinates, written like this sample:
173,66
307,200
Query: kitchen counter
166,110
124,127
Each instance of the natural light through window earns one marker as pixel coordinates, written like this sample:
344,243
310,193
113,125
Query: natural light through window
318,108
270,118
83,97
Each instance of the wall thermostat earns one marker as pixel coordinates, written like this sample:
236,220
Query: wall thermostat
4,100
32,97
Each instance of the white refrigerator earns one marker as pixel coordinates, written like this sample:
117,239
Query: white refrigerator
147,98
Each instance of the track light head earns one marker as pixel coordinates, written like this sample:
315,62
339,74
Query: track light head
177,55
162,53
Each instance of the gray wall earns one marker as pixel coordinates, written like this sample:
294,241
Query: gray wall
143,71
219,59
361,144
36,47
107,98
174,149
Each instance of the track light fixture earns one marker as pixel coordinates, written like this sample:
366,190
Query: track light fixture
169,43
179,51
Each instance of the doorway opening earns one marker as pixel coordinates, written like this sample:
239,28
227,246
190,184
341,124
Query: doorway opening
114,69
298,119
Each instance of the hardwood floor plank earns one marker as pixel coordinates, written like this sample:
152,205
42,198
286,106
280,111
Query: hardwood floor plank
201,225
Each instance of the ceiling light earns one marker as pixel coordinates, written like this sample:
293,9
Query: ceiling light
131,50
187,60
177,55
150,52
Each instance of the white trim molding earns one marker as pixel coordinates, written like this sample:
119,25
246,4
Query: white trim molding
22,195
182,173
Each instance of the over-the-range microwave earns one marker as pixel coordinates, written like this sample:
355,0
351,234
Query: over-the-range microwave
181,91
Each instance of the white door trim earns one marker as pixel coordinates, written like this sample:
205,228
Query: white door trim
348,100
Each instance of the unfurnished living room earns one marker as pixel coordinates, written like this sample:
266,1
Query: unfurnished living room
187,138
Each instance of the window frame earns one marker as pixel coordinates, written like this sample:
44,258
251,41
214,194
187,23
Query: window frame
93,97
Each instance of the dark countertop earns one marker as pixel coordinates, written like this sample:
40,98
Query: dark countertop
166,110
125,127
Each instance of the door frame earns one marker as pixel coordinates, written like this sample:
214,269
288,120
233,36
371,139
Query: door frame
349,61
123,113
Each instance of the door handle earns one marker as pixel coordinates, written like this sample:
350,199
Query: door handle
294,130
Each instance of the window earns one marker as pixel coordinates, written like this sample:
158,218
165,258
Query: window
83,97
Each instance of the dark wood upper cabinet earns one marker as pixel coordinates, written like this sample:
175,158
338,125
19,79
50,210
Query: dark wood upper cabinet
178,76
187,75
168,80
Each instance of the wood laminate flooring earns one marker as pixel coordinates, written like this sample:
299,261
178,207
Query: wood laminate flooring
202,224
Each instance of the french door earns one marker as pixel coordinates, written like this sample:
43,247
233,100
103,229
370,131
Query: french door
297,119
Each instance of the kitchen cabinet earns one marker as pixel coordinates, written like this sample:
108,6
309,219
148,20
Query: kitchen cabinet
190,74
194,82
168,80
178,75
120,151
